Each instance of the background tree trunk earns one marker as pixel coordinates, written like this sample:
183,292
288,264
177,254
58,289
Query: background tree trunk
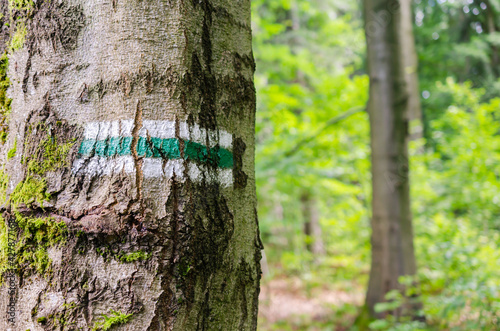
410,63
131,171
492,29
392,237
312,228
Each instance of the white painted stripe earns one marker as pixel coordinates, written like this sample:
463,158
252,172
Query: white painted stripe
212,138
114,131
198,134
93,168
98,166
201,173
91,130
104,130
126,127
193,133
195,171
152,168
225,139
78,165
158,129
122,164
174,167
184,131
226,177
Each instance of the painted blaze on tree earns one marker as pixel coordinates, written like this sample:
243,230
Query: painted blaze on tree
129,165
108,148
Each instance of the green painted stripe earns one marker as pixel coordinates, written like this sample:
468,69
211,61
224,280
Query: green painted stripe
86,147
224,157
171,148
157,148
196,152
125,146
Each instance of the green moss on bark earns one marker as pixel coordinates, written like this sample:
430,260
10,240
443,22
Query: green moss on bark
49,156
122,256
4,241
20,5
12,151
19,37
134,256
4,181
20,11
36,236
108,321
4,100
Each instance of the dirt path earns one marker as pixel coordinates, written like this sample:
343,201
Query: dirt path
288,300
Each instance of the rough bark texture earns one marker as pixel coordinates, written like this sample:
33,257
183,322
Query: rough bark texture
178,248
392,237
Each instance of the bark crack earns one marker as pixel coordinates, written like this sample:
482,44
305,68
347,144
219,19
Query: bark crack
137,160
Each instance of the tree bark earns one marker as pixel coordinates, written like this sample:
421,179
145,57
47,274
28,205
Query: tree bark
132,173
392,236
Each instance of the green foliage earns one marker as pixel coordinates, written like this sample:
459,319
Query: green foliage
107,322
455,39
301,86
309,70
456,205
397,317
307,74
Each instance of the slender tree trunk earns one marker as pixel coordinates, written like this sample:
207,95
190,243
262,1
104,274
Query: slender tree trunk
410,63
312,228
392,237
129,166
492,28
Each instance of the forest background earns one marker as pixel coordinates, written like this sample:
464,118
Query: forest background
313,165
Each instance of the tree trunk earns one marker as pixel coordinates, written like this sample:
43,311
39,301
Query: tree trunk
492,29
392,237
312,228
130,171
410,63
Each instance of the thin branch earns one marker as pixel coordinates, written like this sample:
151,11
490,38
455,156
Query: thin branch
331,122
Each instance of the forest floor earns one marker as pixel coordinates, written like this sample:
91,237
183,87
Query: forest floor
290,302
